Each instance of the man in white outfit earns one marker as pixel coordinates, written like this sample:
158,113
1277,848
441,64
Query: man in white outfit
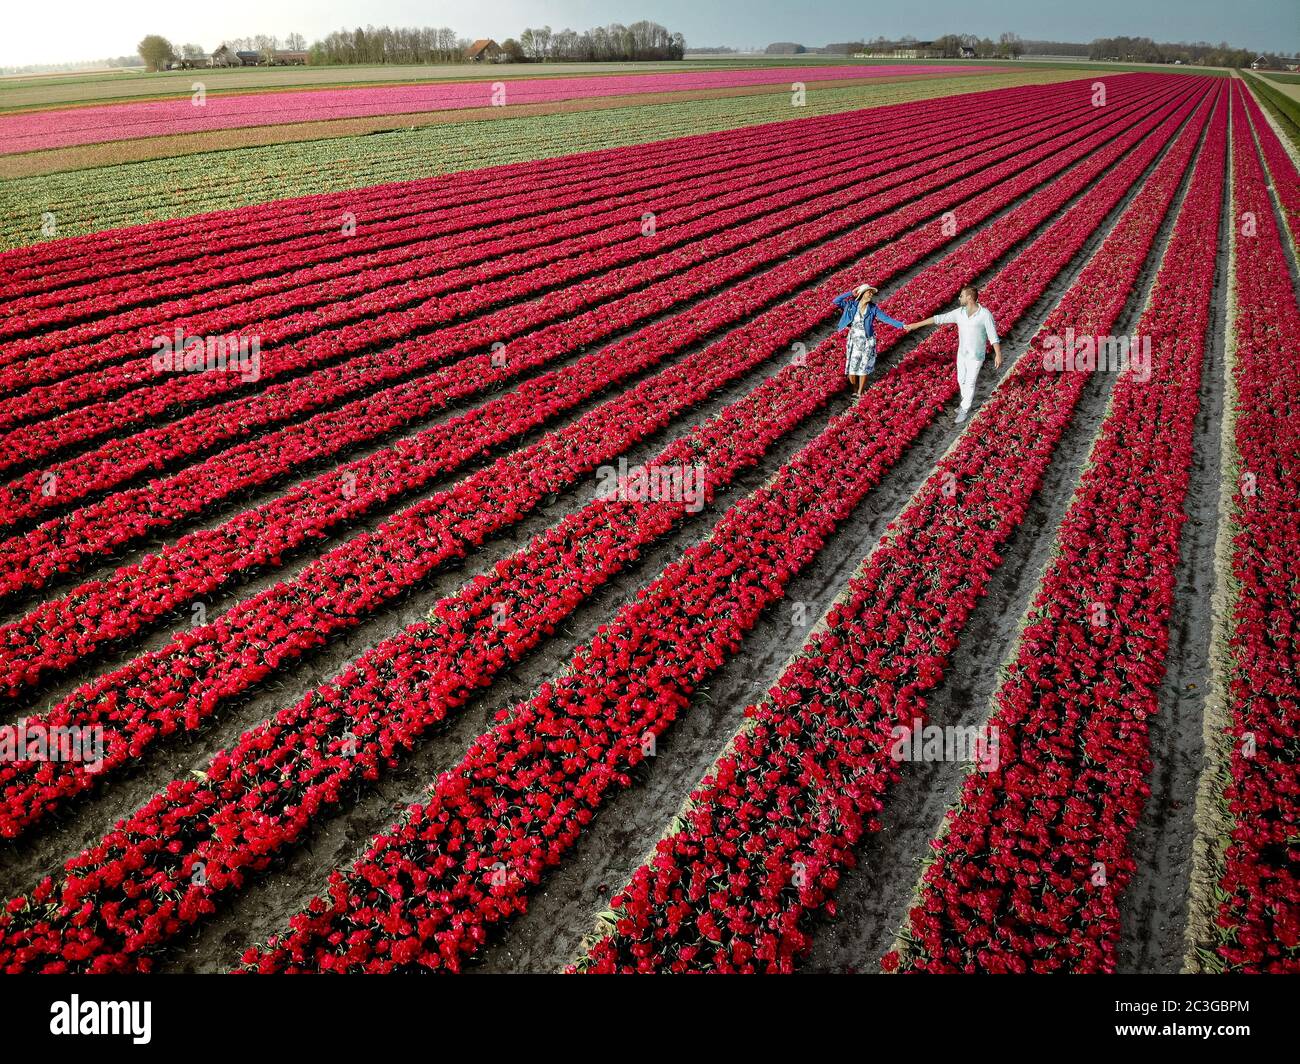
975,328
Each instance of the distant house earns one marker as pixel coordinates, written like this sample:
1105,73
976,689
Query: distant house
483,51
1260,63
967,52
194,62
249,58
283,58
224,57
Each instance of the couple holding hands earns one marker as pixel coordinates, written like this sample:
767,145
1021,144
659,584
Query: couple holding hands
975,328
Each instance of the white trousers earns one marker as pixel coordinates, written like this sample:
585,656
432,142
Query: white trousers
968,371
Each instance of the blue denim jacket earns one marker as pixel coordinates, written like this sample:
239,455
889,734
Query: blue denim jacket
848,303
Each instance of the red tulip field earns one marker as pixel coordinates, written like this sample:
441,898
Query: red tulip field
495,571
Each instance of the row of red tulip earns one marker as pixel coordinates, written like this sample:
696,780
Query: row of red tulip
183,684
1281,165
1035,859
214,240
475,235
429,889
768,835
1259,919
65,543
367,370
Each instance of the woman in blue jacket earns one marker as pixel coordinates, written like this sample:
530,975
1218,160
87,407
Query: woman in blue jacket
859,313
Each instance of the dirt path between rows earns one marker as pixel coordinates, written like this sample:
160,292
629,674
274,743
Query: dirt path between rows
1154,905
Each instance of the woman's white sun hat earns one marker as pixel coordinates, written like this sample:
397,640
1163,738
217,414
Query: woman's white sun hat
865,288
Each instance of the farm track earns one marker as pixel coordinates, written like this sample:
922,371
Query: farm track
1155,907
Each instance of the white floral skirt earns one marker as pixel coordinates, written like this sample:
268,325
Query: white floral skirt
861,353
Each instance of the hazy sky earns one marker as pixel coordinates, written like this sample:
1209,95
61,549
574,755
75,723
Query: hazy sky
55,31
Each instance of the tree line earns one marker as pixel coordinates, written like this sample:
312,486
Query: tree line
1010,46
949,46
615,43
647,41
413,45
1145,50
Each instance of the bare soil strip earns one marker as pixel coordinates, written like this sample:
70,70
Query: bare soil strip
1209,814
1154,907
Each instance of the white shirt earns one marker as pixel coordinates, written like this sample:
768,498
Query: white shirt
973,330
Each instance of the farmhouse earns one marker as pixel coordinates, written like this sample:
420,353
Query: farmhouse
485,50
249,58
1260,63
967,52
288,58
224,57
